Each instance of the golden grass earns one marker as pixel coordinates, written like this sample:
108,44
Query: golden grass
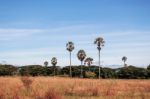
73,88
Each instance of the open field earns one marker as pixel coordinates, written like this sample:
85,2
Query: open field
75,88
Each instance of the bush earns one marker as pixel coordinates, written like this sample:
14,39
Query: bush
7,70
90,74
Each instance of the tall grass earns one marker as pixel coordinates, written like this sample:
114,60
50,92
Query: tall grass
66,88
26,82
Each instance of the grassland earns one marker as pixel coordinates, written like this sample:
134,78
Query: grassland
72,88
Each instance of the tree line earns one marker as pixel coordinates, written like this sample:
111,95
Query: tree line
78,71
130,72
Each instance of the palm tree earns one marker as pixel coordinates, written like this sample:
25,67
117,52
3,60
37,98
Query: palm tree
88,61
124,59
70,48
100,43
46,63
54,62
81,56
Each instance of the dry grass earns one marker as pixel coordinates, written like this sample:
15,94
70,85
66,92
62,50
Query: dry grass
72,88
26,82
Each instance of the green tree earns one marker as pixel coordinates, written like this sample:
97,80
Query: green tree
100,43
54,62
81,56
148,67
7,70
70,48
148,71
124,59
46,63
30,70
132,72
88,61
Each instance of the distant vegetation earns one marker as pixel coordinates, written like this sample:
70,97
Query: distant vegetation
83,71
130,72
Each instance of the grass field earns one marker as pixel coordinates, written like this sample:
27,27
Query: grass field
72,88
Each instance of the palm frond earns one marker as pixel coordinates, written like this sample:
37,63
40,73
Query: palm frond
70,46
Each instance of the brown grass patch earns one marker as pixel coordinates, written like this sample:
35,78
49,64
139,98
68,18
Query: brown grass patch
66,88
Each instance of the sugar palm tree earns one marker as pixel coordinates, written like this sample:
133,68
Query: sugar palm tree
54,62
81,56
124,59
100,43
70,48
88,61
46,63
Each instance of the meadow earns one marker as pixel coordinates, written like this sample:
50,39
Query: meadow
72,88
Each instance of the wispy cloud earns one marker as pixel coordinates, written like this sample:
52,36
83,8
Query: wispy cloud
10,33
67,32
45,43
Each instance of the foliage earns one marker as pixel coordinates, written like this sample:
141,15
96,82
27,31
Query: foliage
99,42
54,61
81,55
107,73
130,72
90,74
46,63
70,46
38,70
124,58
7,70
148,67
88,61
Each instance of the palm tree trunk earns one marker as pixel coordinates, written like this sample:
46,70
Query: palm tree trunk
54,71
70,66
124,63
81,71
99,66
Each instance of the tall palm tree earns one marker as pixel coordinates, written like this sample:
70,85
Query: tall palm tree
54,62
81,56
100,43
124,59
88,61
70,48
46,63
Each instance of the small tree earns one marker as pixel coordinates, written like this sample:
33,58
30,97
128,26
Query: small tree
88,61
54,62
46,63
124,59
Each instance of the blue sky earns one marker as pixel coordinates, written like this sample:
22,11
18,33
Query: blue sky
32,31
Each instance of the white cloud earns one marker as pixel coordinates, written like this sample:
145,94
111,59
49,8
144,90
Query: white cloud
10,33
130,43
67,32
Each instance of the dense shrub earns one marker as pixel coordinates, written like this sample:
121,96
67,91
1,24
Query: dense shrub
130,72
7,70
